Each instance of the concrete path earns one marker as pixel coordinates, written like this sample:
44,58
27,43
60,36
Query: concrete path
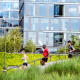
48,64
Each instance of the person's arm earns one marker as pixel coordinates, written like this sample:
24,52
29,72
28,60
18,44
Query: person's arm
27,57
73,49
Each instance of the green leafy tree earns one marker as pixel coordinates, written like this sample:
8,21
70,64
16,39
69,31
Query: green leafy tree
13,40
30,46
73,39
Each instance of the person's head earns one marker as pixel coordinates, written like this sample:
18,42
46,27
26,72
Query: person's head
44,46
69,42
22,51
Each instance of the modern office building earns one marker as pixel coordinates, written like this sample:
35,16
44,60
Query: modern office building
42,20
9,15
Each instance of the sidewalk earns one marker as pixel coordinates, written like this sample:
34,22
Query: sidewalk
48,64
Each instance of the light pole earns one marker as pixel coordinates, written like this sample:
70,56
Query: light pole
65,43
5,52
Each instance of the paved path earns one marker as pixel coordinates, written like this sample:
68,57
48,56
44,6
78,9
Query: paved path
48,64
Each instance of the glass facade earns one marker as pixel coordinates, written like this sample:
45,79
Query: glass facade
38,16
9,14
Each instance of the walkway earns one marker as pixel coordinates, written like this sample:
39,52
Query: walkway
48,64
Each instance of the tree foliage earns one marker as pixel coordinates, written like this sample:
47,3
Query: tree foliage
74,41
13,40
30,46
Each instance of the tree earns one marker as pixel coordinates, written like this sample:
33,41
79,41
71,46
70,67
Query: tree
73,39
13,40
30,46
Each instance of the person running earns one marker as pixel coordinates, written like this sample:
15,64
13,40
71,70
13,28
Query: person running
24,59
71,50
46,54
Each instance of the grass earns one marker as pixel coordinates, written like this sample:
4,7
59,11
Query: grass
67,70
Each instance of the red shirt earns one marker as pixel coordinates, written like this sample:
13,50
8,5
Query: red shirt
45,52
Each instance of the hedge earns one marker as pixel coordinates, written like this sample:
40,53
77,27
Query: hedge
15,59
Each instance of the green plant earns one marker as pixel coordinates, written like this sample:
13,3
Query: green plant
30,46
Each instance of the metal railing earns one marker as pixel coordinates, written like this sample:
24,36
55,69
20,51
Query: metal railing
50,58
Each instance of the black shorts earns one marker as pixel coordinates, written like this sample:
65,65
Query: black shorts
45,59
24,64
70,56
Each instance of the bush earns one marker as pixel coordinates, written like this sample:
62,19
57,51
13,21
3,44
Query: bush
15,59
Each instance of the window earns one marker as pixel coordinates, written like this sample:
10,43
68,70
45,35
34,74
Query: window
58,10
8,14
50,38
9,5
79,10
24,38
64,24
14,14
45,0
58,38
42,38
35,0
26,23
9,23
72,10
32,9
25,9
34,23
3,23
75,25
52,23
16,5
4,5
44,24
55,0
75,1
42,9
32,35
2,14
56,25
51,13
1,32
64,0
15,23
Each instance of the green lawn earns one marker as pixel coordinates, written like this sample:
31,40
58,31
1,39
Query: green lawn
67,70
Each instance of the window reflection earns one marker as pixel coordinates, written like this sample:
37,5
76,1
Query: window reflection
58,38
9,23
50,38
64,24
42,38
42,9
34,23
44,24
15,23
1,32
75,25
72,10
32,35
56,24
32,9
2,14
26,23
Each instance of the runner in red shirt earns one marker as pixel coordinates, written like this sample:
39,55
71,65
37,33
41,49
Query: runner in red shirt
45,54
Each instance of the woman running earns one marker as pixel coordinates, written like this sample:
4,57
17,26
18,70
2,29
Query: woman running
24,59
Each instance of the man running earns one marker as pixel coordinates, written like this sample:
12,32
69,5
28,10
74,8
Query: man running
71,50
46,54
24,59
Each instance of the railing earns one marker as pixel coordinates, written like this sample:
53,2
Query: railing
50,57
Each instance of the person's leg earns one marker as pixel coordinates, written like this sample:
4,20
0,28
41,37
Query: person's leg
21,67
43,62
24,66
